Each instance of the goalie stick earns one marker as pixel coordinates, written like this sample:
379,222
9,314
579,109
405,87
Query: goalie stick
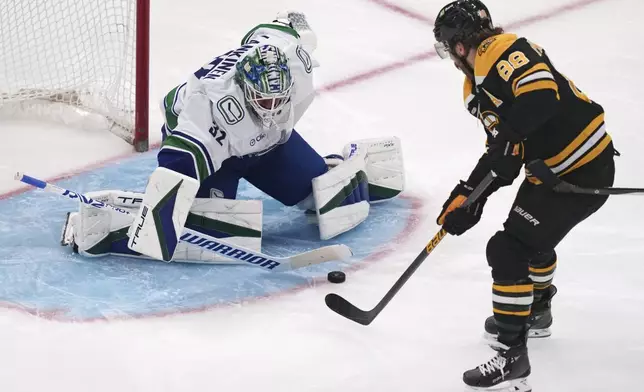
540,170
219,246
346,309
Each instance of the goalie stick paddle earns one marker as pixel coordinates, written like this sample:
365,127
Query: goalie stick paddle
346,309
241,254
541,171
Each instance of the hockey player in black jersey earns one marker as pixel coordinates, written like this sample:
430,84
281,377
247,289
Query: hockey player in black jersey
529,111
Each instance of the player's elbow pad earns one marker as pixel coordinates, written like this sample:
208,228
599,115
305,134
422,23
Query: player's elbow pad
533,110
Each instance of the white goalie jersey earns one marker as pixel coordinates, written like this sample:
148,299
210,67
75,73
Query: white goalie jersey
207,115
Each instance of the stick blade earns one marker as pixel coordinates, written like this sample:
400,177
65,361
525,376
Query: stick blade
321,255
345,309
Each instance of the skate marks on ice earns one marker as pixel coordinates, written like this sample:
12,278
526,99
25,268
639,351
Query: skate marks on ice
39,276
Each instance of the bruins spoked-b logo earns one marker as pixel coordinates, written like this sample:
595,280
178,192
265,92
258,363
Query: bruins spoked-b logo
490,121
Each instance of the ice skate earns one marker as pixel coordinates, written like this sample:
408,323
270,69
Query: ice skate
507,371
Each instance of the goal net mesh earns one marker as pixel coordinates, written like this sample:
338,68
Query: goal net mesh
70,60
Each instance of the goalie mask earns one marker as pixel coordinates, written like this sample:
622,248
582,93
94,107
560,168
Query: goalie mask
265,77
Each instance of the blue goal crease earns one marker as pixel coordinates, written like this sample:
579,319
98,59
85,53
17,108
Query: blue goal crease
38,274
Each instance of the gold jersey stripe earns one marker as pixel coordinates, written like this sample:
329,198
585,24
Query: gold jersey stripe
536,68
581,138
489,51
467,88
522,313
601,146
521,288
538,85
496,101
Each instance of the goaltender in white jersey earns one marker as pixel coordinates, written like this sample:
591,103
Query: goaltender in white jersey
210,106
234,119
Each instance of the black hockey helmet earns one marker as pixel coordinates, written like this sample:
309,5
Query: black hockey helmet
460,21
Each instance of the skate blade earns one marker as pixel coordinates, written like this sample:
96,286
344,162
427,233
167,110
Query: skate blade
67,235
539,333
517,385
532,334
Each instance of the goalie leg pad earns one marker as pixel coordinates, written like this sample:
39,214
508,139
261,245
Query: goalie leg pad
158,225
93,232
341,197
384,165
97,232
238,221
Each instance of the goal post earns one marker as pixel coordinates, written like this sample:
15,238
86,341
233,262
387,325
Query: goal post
84,63
142,92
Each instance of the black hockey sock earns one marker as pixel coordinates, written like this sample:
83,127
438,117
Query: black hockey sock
511,305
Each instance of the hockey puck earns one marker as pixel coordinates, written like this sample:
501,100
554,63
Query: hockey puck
336,277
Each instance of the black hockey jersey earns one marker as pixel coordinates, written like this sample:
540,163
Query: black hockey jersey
517,88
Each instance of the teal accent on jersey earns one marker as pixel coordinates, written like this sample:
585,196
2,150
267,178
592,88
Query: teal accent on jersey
171,116
279,27
178,142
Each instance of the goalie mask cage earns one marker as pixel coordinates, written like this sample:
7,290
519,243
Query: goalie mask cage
80,62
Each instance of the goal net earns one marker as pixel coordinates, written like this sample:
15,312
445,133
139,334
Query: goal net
80,62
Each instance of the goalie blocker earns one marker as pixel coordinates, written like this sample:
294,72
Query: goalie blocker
368,171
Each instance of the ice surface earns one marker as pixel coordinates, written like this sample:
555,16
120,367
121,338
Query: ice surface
50,281
431,332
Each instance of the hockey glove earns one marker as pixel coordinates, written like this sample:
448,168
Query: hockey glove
455,220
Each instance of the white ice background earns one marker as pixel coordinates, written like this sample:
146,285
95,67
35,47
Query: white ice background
432,331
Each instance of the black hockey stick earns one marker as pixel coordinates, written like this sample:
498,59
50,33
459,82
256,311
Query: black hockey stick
344,308
541,171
